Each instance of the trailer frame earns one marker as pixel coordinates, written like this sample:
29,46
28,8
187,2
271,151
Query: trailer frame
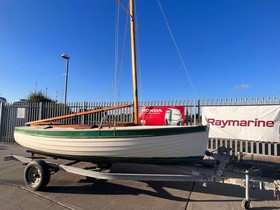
37,175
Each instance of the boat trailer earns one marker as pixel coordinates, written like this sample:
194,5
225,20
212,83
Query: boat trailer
37,175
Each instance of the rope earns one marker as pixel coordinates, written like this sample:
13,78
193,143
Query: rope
116,48
177,48
122,56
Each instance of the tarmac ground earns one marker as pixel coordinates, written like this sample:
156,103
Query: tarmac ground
70,191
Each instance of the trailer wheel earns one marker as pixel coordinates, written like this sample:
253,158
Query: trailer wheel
245,204
36,175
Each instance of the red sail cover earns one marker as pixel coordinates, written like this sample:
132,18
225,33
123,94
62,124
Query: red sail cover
162,115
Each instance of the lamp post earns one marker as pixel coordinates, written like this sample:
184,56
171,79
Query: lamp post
67,57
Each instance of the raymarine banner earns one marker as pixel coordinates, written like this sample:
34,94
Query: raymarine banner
259,123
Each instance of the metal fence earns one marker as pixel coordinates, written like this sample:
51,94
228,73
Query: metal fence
17,114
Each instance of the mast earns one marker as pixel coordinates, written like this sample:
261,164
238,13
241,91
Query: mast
133,57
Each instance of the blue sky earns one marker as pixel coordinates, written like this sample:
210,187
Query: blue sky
231,49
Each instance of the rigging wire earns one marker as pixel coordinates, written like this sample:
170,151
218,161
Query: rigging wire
119,60
116,49
123,7
117,23
177,48
179,53
122,56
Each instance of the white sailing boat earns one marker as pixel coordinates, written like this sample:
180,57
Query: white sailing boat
134,143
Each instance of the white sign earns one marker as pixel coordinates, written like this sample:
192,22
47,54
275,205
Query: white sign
259,123
21,113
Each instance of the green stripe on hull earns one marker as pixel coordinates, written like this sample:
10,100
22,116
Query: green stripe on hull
109,160
112,133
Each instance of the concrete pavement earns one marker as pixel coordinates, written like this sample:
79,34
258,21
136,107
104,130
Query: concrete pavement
69,191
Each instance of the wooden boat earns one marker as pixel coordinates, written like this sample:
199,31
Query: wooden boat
138,143
141,144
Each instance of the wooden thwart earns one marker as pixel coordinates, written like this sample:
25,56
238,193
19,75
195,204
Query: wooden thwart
78,114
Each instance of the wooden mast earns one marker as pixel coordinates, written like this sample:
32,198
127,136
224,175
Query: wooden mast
134,79
133,57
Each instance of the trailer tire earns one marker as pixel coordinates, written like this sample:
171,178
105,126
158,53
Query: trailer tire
37,175
245,204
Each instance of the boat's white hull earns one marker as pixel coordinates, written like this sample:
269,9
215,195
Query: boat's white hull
184,145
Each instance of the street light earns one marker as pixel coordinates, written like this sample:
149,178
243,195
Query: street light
67,57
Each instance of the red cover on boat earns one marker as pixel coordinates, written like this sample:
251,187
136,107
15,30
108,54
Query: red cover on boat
162,115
